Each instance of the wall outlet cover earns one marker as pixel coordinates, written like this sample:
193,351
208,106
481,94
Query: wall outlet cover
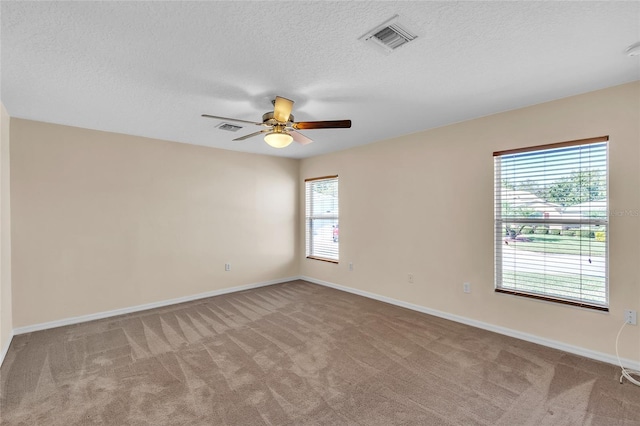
631,317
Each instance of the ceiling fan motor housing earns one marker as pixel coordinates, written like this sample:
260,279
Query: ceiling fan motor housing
269,119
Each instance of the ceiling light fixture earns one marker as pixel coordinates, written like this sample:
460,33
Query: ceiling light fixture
633,50
278,139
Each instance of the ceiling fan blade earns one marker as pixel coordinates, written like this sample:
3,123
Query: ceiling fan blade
230,119
250,135
299,137
282,109
335,124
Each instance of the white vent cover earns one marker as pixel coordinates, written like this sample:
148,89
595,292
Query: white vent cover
389,35
229,127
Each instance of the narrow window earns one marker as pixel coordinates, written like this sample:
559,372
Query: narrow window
322,228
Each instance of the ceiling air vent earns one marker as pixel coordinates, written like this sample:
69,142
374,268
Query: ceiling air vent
229,127
389,35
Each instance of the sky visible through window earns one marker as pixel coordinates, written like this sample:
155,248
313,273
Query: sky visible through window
549,166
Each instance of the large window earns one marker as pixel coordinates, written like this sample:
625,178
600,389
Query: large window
322,230
551,221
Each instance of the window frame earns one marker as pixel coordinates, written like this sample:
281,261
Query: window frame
309,237
500,220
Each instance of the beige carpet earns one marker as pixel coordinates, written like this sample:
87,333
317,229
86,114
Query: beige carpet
297,353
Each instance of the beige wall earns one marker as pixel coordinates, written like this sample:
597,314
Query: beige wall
6,322
423,204
103,221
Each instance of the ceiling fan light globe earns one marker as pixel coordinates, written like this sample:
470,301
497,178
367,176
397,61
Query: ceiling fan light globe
278,139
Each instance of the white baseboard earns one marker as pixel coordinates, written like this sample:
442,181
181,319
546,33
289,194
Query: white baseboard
577,350
146,306
4,351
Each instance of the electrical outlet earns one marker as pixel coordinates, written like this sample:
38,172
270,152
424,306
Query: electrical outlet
410,278
466,287
631,317
351,266
227,267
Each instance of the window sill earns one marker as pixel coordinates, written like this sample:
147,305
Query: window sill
552,299
323,259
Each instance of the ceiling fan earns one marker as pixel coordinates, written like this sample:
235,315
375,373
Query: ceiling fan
281,129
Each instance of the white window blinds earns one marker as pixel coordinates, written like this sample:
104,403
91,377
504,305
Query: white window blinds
322,228
551,220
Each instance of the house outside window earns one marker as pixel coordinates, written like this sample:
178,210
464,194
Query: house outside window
551,222
322,234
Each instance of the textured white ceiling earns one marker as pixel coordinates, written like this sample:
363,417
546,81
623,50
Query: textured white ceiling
151,68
